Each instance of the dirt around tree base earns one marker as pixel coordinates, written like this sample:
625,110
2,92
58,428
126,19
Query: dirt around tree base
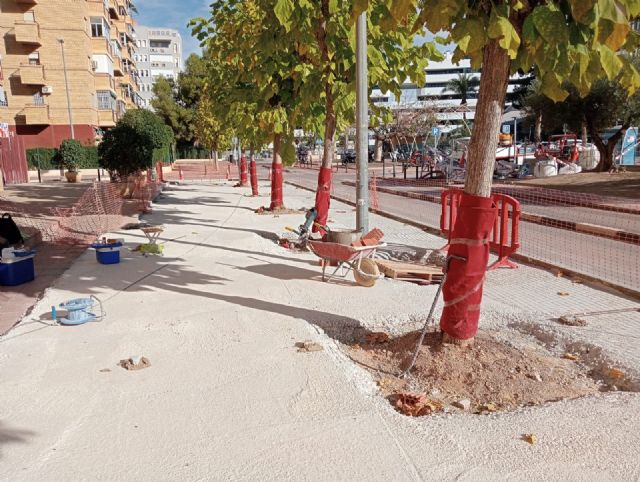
487,376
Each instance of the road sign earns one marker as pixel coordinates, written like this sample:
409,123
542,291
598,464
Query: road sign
435,131
506,129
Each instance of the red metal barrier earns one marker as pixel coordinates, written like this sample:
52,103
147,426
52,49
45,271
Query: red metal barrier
159,172
450,200
13,160
504,238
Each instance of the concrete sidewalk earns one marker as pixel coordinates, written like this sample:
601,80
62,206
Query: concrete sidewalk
228,397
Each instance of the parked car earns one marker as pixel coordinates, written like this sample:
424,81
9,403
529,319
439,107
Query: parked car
348,156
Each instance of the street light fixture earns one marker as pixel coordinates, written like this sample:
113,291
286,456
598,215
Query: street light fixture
66,86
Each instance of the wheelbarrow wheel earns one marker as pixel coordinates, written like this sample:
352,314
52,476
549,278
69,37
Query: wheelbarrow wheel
368,273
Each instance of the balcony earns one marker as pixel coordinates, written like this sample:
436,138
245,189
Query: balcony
33,114
100,45
114,9
96,8
27,2
27,32
106,118
32,74
118,69
105,82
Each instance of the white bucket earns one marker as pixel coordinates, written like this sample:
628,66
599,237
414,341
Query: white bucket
589,157
545,168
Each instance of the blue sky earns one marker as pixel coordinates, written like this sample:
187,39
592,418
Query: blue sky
173,14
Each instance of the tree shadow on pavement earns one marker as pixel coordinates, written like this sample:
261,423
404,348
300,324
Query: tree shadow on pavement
10,435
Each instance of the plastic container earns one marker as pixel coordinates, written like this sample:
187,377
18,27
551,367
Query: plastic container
107,253
17,270
545,168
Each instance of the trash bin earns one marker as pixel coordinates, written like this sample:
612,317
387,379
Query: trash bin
108,253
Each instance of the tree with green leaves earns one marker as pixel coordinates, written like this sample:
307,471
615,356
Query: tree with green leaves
262,59
325,47
128,148
563,42
178,117
463,85
211,130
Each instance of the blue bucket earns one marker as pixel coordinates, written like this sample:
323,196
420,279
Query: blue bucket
107,253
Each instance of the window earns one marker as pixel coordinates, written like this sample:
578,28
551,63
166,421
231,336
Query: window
123,39
29,17
34,58
123,11
144,44
38,99
105,101
3,98
99,27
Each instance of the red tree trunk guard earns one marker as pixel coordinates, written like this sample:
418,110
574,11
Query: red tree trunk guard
462,290
323,197
244,181
276,186
254,177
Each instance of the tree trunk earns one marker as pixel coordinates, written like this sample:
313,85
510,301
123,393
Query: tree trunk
469,245
537,134
323,192
276,174
215,159
378,150
605,150
253,171
584,134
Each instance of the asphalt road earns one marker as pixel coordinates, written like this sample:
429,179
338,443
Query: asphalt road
611,261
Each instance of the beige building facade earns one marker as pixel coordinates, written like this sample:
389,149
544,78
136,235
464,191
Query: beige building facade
96,41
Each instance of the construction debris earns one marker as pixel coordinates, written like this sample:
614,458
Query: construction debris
135,363
308,346
415,404
571,320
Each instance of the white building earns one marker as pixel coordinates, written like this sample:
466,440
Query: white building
159,53
437,75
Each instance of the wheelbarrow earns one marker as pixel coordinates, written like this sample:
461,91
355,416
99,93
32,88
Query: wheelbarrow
348,258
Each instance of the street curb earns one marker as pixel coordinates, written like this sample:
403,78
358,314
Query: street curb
585,228
593,281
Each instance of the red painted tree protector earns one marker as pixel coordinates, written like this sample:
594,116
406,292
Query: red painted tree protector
276,186
244,181
462,290
254,176
323,198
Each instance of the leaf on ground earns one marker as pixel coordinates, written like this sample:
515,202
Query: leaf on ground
616,374
570,356
530,438
563,293
488,407
572,320
308,346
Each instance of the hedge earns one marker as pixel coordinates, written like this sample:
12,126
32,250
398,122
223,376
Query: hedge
47,158
192,152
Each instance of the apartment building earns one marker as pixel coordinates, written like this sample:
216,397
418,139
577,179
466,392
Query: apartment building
92,41
433,92
159,53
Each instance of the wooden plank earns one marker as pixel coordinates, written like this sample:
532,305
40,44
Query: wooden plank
397,269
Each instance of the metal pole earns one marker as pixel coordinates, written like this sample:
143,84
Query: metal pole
515,141
362,126
66,86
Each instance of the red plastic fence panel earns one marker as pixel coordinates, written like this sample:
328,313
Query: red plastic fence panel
504,237
450,200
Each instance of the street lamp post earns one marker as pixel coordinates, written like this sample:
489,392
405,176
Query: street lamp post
66,86
362,126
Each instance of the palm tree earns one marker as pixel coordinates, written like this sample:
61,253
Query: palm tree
463,85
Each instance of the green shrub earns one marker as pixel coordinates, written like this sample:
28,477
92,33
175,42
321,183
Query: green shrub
129,147
46,158
71,154
42,157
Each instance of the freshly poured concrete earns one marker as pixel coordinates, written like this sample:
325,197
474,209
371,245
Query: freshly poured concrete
227,395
